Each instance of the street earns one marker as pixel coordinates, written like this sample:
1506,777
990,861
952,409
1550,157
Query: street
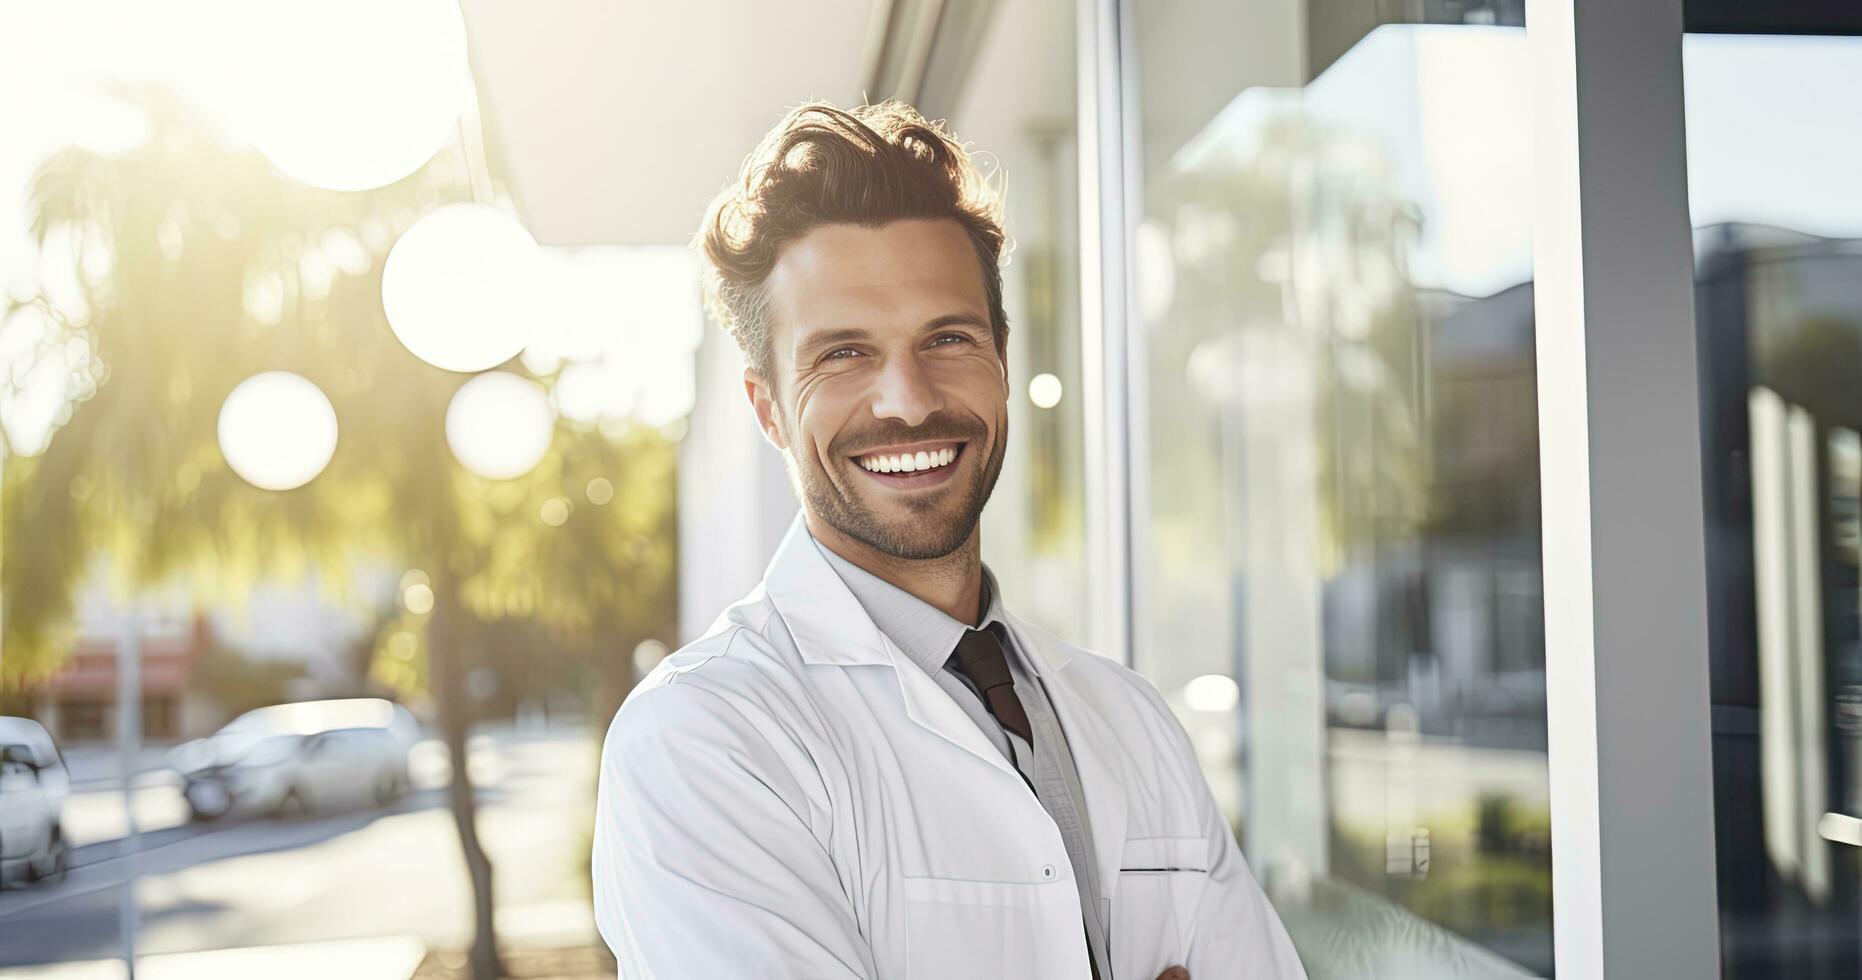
396,872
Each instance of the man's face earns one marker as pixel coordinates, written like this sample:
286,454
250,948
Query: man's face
882,350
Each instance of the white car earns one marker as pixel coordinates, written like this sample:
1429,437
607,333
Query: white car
296,758
33,785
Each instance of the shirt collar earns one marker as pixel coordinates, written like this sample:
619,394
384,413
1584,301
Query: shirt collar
924,632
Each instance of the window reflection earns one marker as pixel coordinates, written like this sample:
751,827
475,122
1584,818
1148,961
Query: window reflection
1341,499
1778,250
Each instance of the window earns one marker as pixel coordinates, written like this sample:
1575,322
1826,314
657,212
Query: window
1778,249
1337,525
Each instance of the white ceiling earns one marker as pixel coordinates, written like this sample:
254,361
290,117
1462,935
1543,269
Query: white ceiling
614,122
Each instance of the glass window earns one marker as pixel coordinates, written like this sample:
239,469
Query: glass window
1018,102
1778,262
1337,542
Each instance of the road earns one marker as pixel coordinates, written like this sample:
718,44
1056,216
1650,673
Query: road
395,871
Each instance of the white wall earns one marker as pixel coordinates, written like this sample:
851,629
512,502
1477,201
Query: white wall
734,498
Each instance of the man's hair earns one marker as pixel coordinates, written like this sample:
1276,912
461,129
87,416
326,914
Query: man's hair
822,165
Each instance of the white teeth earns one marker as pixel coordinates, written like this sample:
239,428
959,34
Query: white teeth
908,462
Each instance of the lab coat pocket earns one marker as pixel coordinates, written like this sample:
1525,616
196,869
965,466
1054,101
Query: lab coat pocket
958,927
1160,883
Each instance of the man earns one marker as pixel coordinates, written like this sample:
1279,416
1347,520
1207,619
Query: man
868,767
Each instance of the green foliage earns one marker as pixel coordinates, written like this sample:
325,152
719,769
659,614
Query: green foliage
1489,869
184,232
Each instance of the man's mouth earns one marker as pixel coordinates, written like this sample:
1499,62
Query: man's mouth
916,465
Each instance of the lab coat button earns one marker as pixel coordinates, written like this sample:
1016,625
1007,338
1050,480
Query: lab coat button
1047,871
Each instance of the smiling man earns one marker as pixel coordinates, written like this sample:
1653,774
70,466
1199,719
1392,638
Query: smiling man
869,767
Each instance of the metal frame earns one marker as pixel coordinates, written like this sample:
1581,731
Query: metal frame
1625,569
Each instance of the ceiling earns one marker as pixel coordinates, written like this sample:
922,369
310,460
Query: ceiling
615,122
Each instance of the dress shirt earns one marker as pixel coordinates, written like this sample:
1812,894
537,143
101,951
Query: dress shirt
929,637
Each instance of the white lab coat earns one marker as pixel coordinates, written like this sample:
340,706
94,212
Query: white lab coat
791,796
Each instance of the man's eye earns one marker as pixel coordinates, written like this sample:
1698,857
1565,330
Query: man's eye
835,354
951,336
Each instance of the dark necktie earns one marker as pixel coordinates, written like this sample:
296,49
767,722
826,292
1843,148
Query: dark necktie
980,658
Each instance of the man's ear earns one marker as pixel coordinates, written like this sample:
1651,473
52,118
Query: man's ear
763,403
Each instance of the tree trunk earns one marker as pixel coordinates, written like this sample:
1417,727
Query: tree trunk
446,665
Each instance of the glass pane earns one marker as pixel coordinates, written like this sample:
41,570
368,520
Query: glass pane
1338,547
1778,249
1018,102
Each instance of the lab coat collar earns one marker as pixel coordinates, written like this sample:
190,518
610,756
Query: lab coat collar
823,617
829,625
830,628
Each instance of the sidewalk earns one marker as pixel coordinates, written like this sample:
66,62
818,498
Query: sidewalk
95,816
381,958
569,963
542,941
378,958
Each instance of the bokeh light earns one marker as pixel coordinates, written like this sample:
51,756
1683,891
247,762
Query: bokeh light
600,490
353,94
459,287
39,372
647,656
499,425
277,430
1044,390
1212,692
418,598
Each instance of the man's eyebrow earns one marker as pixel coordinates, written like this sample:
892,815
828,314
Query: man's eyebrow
826,338
953,320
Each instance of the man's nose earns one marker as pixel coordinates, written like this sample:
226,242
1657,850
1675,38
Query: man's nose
905,391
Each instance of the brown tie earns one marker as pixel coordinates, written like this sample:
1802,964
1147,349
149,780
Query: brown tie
980,658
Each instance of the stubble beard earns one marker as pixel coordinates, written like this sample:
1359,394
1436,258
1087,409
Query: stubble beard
907,538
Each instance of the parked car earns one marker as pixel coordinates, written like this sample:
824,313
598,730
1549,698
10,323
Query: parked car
296,758
33,785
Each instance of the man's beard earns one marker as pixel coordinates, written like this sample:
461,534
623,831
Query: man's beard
913,540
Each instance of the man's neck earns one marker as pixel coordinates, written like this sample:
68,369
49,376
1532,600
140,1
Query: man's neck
952,584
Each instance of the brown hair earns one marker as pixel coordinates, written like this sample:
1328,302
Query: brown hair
869,166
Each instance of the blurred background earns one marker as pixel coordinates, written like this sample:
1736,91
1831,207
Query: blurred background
359,416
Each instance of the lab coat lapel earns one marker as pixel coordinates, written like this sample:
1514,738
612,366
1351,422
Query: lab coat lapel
1097,751
830,627
931,707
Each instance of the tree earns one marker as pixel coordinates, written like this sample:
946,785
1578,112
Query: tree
197,266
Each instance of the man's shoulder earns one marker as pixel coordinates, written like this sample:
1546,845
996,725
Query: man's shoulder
741,665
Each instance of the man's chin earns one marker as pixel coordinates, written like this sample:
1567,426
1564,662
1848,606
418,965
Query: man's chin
907,536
